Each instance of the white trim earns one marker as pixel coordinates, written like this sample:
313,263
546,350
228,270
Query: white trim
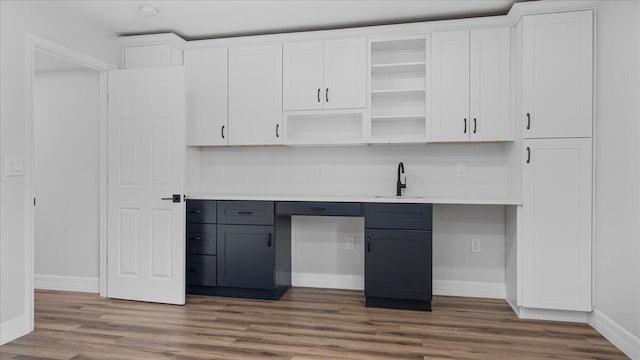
616,334
327,281
553,315
35,44
67,283
154,39
14,328
476,289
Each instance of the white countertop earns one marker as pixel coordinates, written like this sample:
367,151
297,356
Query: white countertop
385,199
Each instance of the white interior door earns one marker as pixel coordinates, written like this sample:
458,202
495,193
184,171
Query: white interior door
146,149
345,73
302,75
450,86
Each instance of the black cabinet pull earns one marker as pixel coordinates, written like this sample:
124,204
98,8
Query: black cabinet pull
528,155
194,269
319,94
326,95
528,121
195,238
269,240
475,125
277,130
245,212
194,211
368,243
465,125
318,209
222,131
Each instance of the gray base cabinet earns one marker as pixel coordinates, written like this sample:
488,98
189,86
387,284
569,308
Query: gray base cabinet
246,256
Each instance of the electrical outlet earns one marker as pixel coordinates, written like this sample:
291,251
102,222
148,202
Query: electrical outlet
320,171
13,166
475,245
462,170
350,242
220,171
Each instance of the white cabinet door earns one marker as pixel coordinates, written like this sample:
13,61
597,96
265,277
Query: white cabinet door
557,224
345,73
146,149
490,81
255,95
558,75
206,76
450,86
303,75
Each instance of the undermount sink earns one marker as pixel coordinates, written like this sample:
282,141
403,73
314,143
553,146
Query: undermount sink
397,197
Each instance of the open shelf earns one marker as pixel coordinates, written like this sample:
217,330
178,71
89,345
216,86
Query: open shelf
397,91
398,67
324,128
397,117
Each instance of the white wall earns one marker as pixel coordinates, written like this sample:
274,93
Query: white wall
617,213
372,170
66,119
18,18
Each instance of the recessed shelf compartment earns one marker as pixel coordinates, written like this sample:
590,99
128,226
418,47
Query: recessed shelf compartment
397,91
324,128
398,67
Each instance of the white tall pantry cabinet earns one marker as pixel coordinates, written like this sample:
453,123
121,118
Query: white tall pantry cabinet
557,62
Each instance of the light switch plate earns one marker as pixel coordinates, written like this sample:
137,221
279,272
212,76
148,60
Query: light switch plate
220,171
13,166
462,170
350,243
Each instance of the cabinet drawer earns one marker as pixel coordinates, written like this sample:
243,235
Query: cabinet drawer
318,208
201,212
245,212
201,239
398,216
201,270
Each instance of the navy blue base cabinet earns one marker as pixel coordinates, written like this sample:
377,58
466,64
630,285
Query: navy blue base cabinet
398,256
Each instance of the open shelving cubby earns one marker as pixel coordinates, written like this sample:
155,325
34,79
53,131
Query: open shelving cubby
399,72
324,128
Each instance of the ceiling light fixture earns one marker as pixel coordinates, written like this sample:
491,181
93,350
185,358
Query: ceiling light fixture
148,10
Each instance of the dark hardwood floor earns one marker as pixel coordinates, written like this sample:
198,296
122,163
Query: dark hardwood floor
305,324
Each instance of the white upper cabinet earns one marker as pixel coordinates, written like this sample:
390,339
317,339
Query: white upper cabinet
303,75
255,95
558,75
470,86
557,192
206,76
328,74
146,56
345,74
450,86
490,84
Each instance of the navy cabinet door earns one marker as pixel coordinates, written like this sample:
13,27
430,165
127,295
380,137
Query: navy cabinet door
398,264
246,256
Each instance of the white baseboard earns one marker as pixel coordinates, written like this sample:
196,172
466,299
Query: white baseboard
13,329
619,336
553,315
469,289
66,283
329,281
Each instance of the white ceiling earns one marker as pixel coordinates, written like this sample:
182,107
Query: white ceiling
213,18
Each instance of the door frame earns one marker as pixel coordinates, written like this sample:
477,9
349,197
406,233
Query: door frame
36,45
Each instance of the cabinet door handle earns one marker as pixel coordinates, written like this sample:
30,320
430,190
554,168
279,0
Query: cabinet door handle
277,130
194,211
245,212
528,155
326,95
368,243
319,94
318,209
528,121
195,238
465,125
194,269
222,131
475,125
269,240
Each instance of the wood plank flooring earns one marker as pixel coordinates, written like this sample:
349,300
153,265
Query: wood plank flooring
305,324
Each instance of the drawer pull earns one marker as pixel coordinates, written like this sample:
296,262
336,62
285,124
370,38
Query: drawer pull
269,240
195,238
194,211
245,212
368,243
318,209
194,269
